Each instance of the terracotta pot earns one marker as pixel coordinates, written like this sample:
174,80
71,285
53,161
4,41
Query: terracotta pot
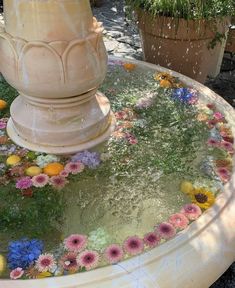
179,44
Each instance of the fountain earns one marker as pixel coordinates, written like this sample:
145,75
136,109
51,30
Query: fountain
145,193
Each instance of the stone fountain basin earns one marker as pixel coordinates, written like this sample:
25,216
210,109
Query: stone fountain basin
195,258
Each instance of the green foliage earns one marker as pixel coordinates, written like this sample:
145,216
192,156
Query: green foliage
187,9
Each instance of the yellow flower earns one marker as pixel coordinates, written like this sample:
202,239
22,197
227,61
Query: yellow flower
13,160
33,171
186,187
166,84
2,264
203,198
3,104
129,66
163,76
201,117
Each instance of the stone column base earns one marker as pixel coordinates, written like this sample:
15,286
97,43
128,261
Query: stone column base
61,126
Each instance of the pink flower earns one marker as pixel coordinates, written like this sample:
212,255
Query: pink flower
227,146
24,183
165,230
223,173
113,254
75,242
131,138
211,106
121,115
212,142
218,116
74,167
58,182
88,259
69,262
45,262
64,173
133,245
152,239
179,221
191,211
40,180
3,125
16,273
211,123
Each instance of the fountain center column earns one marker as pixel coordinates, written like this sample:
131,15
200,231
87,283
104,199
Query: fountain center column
53,53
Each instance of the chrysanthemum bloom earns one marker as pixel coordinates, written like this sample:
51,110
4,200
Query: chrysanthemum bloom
165,230
211,123
213,143
152,239
40,180
203,198
74,167
191,211
179,221
24,183
89,159
227,146
58,182
45,262
223,173
75,242
113,254
129,66
218,116
88,259
64,173
133,245
69,262
16,273
3,125
211,106
202,117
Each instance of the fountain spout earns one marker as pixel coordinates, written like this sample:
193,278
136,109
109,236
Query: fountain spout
53,53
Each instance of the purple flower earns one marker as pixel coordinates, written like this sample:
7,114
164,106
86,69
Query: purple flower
90,159
24,183
185,95
3,125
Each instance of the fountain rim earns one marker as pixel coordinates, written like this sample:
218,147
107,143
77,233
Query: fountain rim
209,217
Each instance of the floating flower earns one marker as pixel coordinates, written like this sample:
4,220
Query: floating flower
213,143
220,163
88,259
133,245
53,169
16,273
24,183
70,262
129,66
202,117
191,211
33,171
113,254
227,146
74,167
40,180
203,198
218,116
165,230
3,104
152,239
98,239
179,221
75,242
211,106
185,95
211,123
45,262
163,76
58,182
3,125
223,173
13,160
90,159
64,173
23,252
43,160
186,187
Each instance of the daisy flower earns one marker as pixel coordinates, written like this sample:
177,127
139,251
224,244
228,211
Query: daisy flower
88,259
179,221
165,230
69,262
191,211
133,245
74,167
152,239
75,242
45,262
16,273
58,182
40,180
113,254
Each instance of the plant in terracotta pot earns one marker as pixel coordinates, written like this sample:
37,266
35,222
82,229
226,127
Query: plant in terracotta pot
184,35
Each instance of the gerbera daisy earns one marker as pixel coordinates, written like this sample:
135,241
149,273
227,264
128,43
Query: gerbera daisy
179,221
152,239
203,198
58,182
227,146
75,242
74,167
213,143
88,259
218,116
191,211
70,262
40,180
113,254
165,230
133,245
16,273
45,262
223,173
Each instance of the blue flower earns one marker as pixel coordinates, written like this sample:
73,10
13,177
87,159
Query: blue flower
23,252
90,159
185,95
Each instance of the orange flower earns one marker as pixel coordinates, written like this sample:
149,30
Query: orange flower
53,169
166,83
3,104
129,66
163,76
201,117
